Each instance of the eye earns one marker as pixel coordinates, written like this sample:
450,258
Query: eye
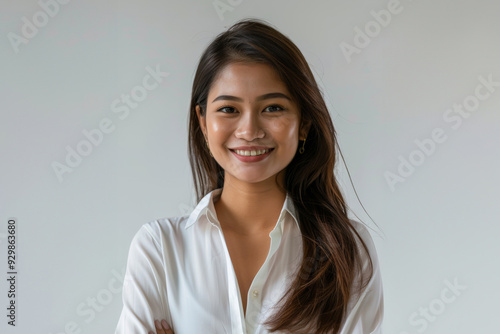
231,110
226,110
274,108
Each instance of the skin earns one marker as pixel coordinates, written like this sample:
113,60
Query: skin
162,328
250,201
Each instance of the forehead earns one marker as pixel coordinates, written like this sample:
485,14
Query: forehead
247,80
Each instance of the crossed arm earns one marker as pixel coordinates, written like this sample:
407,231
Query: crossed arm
144,291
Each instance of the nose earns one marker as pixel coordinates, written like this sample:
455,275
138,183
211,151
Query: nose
250,126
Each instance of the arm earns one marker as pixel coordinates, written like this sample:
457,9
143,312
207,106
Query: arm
365,311
144,288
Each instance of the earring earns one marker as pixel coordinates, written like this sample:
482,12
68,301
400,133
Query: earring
302,149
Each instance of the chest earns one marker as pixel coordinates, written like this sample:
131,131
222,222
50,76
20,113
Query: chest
200,293
247,256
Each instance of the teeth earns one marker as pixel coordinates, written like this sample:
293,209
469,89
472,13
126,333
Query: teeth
251,153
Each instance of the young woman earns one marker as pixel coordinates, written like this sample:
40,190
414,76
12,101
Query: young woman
269,248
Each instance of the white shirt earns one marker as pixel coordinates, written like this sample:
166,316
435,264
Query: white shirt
179,269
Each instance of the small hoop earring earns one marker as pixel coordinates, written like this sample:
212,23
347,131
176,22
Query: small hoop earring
302,149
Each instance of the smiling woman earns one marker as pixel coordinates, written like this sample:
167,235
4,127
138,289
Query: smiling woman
269,248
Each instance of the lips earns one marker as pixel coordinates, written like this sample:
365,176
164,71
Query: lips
251,158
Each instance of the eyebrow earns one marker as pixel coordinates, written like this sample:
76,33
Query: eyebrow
260,98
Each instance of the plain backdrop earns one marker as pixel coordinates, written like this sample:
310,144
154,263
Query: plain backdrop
413,88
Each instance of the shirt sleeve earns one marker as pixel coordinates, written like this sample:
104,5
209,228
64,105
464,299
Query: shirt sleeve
144,286
365,310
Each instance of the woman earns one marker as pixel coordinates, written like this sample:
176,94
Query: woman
269,247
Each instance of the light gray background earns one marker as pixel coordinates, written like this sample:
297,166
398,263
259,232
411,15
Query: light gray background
440,224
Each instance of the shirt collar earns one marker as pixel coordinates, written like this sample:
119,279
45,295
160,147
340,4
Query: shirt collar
206,207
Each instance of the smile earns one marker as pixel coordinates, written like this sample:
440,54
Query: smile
252,153
252,156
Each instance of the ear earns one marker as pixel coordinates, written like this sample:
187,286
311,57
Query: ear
202,120
304,129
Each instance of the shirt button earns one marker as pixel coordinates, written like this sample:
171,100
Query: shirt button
255,293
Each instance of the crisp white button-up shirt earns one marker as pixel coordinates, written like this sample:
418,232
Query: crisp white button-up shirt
179,269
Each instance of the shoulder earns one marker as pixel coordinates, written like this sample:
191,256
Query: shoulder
360,227
364,235
368,256
154,233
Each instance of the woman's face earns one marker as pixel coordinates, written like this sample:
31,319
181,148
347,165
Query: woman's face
250,108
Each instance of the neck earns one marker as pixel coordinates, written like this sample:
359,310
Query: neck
249,209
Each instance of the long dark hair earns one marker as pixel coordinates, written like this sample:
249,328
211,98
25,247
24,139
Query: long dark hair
320,292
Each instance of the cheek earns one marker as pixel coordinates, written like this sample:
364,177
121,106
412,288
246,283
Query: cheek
284,128
216,129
